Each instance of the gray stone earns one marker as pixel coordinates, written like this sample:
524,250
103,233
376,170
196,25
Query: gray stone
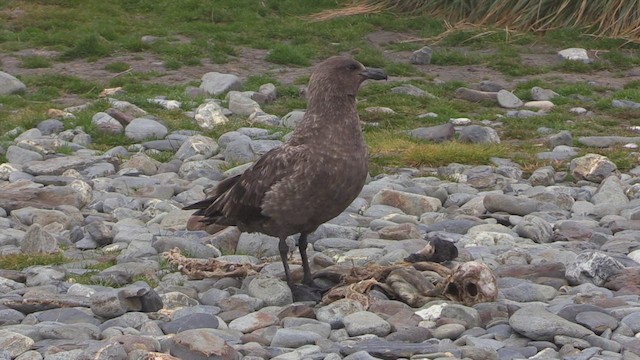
106,124
201,344
411,90
50,126
597,321
189,322
334,313
215,83
562,138
476,95
127,108
107,304
18,155
365,322
537,323
544,176
610,197
273,292
592,167
516,205
144,128
241,104
294,338
14,343
261,147
269,91
239,152
210,169
9,84
508,100
535,228
39,241
477,134
436,133
197,145
411,204
632,321
592,267
421,56
448,331
292,118
606,141
540,94
253,321
260,117
523,114
625,104
528,292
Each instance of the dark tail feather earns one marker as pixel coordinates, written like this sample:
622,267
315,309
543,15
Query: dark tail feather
220,189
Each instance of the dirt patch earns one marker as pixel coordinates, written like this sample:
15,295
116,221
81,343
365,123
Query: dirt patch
253,61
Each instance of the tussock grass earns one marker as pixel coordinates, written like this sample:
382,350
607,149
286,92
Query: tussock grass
22,261
35,62
612,18
387,148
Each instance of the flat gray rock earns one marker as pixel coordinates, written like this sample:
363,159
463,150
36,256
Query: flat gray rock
436,133
215,83
197,145
508,100
9,84
537,323
365,322
144,129
18,155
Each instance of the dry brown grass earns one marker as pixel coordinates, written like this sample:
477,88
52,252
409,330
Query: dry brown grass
611,18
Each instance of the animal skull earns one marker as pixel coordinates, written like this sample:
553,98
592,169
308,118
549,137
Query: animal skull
471,283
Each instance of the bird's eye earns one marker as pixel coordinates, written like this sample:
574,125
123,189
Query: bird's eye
352,66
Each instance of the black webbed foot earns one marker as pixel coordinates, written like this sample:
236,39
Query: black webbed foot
313,292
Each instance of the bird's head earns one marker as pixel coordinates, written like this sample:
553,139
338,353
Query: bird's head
341,75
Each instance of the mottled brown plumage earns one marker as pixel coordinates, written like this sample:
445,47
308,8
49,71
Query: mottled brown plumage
310,179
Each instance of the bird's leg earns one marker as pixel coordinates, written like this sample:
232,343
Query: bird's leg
302,245
284,254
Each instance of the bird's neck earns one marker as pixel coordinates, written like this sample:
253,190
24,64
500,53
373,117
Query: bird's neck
328,116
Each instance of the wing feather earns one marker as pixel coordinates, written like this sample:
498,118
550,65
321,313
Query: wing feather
239,200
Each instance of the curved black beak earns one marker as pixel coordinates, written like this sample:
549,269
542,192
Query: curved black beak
374,74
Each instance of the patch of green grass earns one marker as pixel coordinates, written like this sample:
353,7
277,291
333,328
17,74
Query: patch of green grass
64,149
289,55
117,67
455,57
576,66
35,62
91,47
64,83
388,148
22,261
161,156
253,82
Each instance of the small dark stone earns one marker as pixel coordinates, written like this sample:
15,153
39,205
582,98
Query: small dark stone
190,322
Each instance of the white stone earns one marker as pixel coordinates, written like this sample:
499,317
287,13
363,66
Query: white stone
578,54
540,104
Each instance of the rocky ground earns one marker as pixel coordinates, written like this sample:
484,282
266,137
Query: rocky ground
562,246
